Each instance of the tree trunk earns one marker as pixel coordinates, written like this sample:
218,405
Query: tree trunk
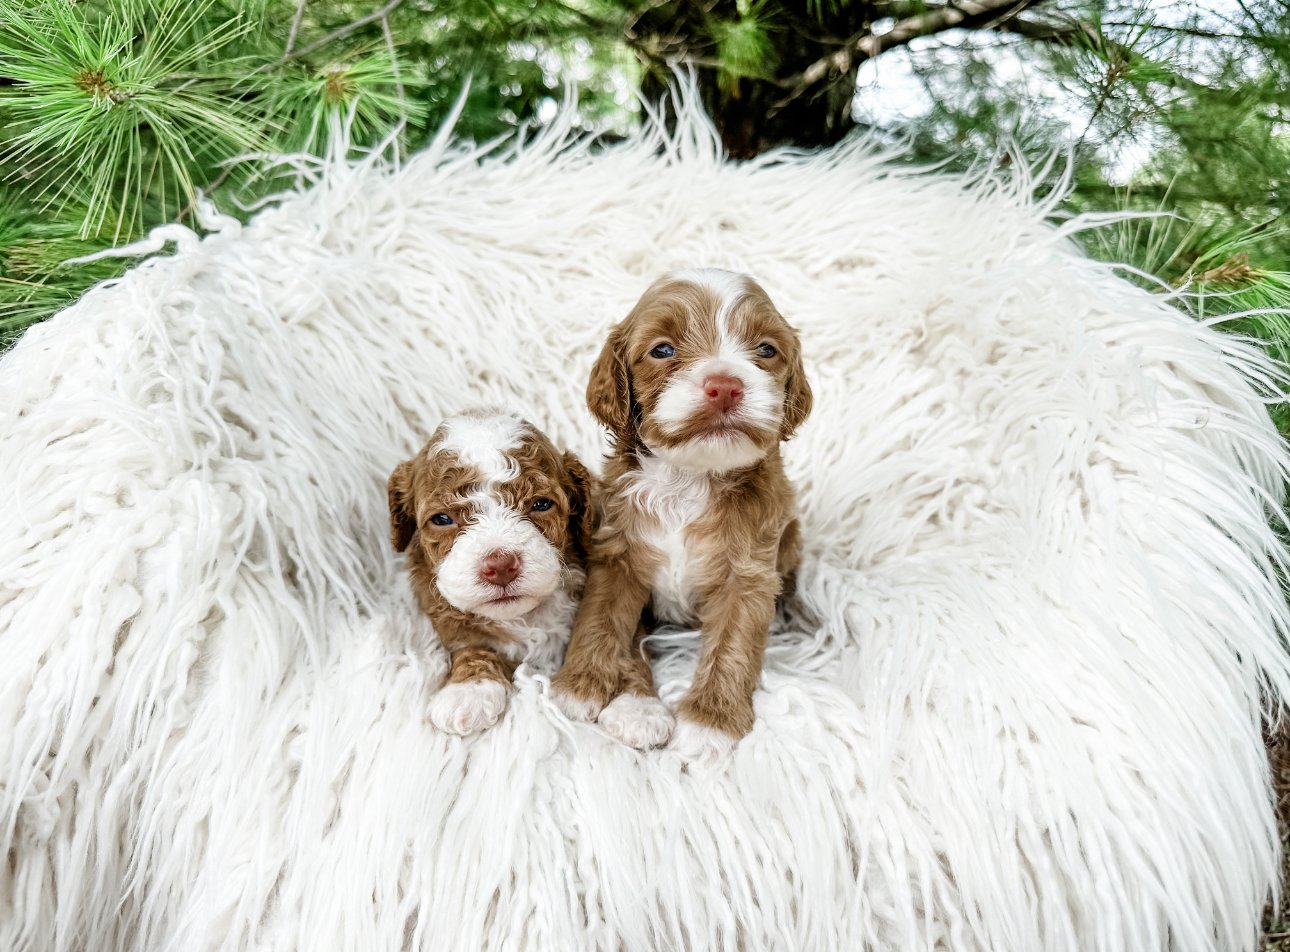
754,114
750,122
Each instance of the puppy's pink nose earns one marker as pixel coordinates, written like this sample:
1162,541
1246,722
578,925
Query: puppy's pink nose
723,392
499,568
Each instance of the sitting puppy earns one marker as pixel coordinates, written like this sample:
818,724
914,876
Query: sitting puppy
698,386
498,521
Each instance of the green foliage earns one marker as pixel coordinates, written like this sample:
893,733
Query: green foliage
744,45
1176,111
117,113
1216,265
34,280
111,108
368,90
516,57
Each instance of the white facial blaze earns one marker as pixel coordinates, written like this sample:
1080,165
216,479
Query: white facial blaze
683,397
729,285
484,442
498,528
760,408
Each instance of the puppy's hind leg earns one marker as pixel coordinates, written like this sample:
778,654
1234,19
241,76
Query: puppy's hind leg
789,555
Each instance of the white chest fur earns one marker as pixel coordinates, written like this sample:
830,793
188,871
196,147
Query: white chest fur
540,636
669,502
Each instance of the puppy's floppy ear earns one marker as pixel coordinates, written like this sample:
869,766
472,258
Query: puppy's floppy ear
798,398
403,517
583,517
609,391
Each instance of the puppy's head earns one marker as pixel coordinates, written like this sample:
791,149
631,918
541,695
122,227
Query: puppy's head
498,513
704,372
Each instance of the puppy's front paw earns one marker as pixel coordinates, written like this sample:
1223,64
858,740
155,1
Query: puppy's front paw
576,708
468,706
581,697
700,745
637,720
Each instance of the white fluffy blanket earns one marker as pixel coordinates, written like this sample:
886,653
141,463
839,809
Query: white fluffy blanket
1015,704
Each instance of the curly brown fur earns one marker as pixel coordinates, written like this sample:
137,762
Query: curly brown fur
696,528
491,519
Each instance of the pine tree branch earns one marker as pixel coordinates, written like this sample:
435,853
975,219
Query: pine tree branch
1064,32
394,59
1072,32
867,45
1183,30
295,26
629,30
342,32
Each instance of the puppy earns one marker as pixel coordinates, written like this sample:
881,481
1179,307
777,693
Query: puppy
496,522
697,386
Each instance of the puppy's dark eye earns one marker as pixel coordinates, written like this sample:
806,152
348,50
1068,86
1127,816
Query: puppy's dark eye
663,351
441,519
767,351
541,505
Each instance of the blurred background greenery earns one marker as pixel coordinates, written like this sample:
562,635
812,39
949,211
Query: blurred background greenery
116,115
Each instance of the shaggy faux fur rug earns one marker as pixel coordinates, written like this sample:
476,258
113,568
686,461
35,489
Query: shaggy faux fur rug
1014,704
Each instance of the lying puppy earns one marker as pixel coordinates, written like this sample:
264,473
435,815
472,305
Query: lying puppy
498,521
698,386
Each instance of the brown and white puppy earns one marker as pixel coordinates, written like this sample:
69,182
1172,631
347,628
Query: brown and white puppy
496,522
698,386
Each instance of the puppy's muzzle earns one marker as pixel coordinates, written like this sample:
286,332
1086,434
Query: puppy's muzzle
723,393
500,568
